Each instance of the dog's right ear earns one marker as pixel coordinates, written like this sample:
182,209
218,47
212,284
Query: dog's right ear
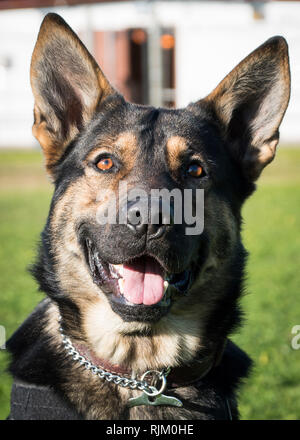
249,105
67,84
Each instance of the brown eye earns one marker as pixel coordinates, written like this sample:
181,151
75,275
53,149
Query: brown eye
195,170
105,164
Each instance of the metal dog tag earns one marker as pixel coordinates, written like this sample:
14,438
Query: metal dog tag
154,397
161,399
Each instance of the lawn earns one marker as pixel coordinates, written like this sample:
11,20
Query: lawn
272,306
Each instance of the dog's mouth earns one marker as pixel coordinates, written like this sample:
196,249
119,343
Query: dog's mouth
138,285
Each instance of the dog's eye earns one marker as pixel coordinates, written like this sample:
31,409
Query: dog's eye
105,164
195,170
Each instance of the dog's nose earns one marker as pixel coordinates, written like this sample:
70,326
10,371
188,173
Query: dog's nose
148,216
137,218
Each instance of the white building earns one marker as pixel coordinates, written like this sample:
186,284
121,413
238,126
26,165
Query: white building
163,52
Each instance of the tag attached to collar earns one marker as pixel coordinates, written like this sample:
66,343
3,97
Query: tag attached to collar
160,399
152,396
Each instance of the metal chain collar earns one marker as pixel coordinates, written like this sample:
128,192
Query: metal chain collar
124,382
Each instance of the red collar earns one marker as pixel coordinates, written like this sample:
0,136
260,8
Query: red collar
178,377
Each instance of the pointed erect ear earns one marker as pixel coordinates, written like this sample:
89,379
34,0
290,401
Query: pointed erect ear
67,85
250,103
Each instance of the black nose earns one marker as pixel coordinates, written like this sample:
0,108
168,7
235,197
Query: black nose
149,216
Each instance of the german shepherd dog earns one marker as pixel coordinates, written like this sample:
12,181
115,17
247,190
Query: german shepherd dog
137,316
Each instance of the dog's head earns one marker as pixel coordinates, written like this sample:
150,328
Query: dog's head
138,275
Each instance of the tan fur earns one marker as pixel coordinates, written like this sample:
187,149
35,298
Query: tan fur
173,340
175,149
127,144
124,146
92,396
79,379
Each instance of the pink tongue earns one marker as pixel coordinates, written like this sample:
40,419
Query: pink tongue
143,281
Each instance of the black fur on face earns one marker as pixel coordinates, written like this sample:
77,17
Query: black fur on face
231,134
213,258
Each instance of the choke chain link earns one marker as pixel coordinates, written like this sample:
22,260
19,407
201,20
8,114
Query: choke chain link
124,382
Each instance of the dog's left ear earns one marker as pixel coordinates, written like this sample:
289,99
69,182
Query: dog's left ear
67,84
250,103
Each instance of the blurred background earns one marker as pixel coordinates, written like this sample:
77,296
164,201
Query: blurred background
164,53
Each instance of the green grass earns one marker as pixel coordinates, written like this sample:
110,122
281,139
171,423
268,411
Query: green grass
24,200
272,304
272,308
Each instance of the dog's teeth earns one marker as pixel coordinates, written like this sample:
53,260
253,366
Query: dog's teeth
88,242
119,268
166,285
121,285
97,259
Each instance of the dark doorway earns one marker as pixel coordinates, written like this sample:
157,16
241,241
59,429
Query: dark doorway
167,44
123,57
